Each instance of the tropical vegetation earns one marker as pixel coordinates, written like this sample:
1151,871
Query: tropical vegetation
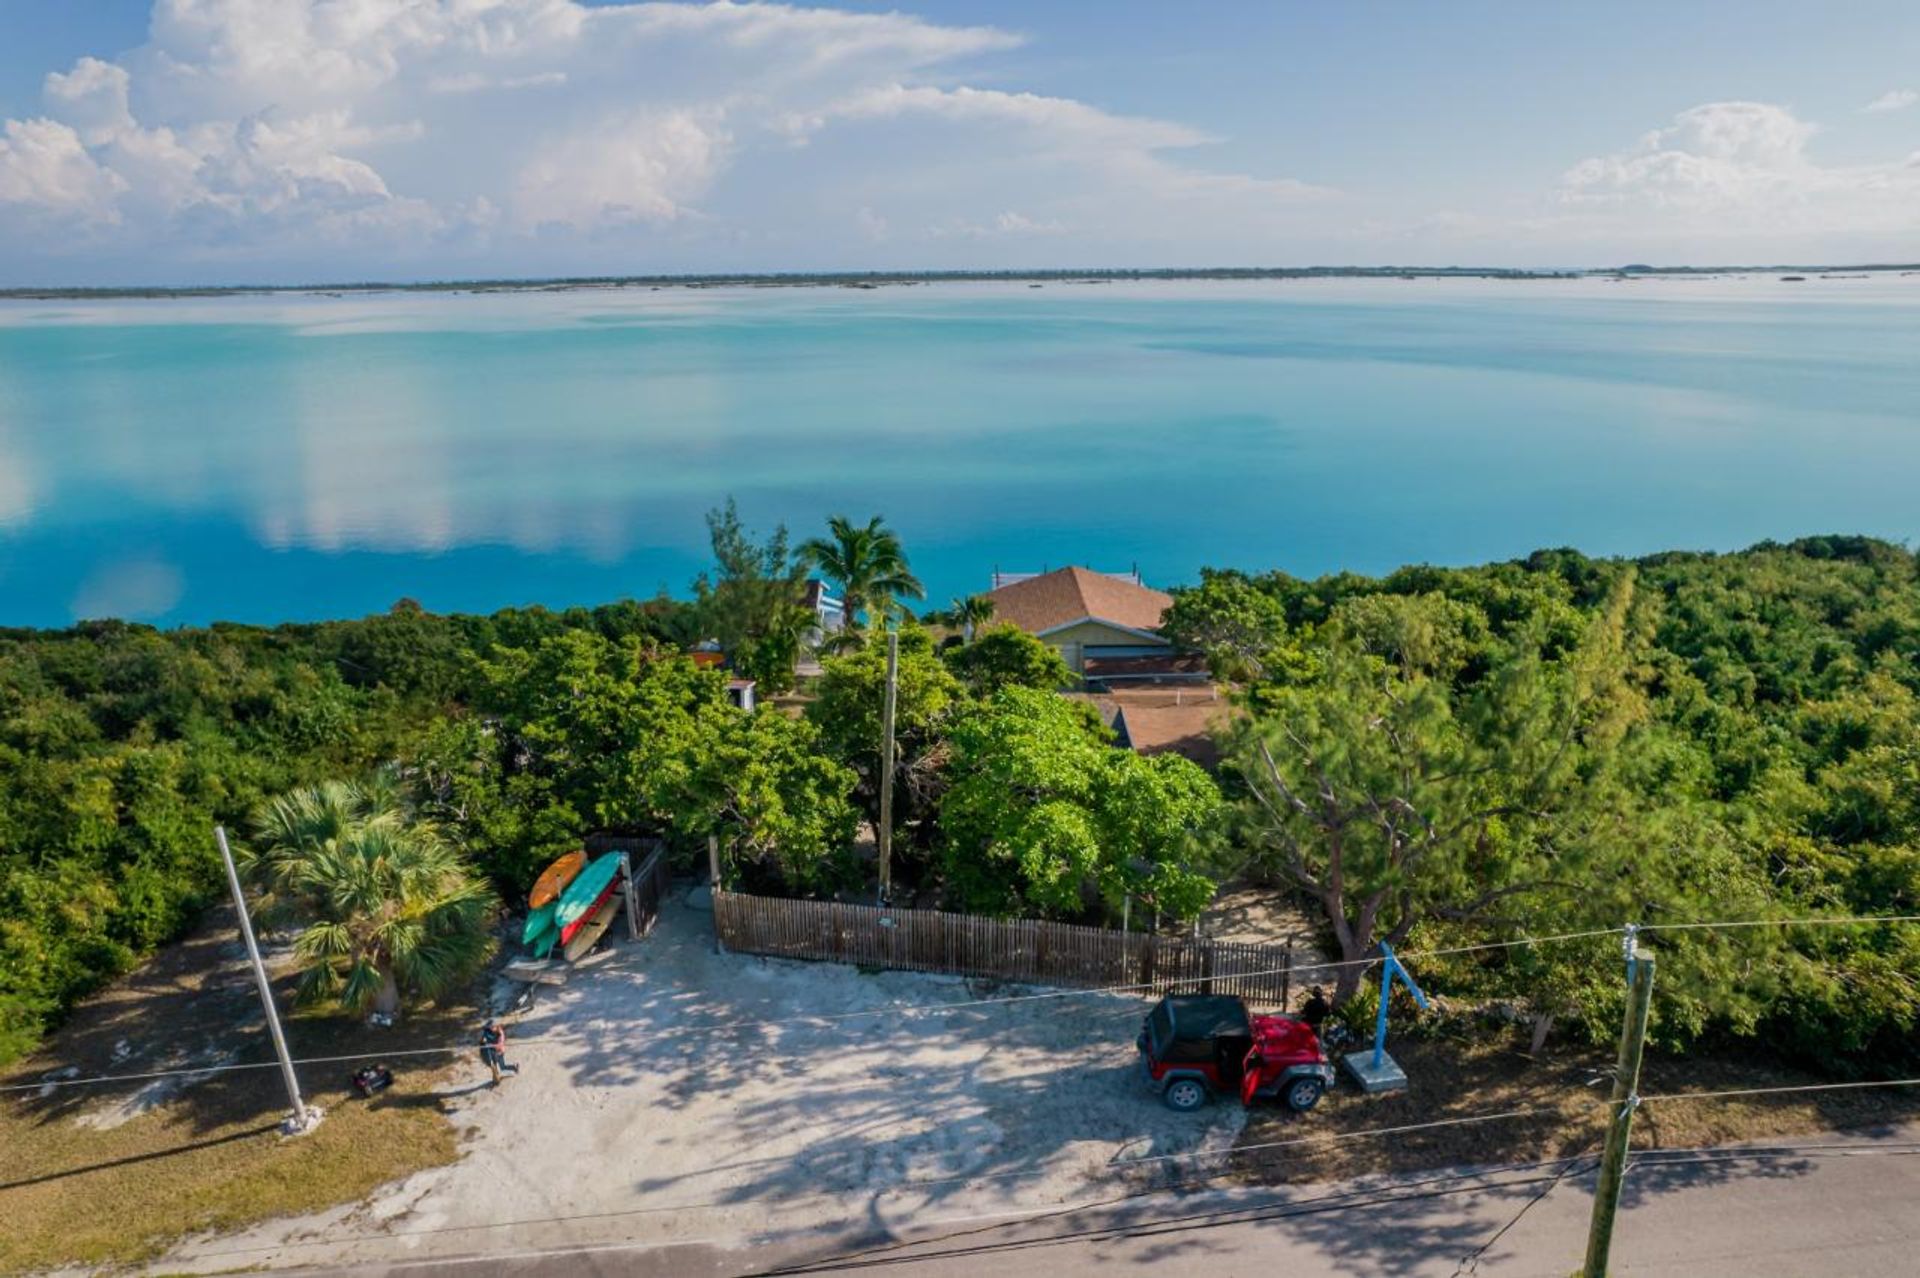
1443,758
868,565
380,902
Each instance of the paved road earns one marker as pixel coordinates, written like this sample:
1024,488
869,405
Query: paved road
1826,1206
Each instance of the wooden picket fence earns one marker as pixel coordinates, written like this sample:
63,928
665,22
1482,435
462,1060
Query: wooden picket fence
646,887
1024,950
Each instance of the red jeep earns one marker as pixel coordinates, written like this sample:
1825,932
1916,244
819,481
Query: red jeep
1194,1045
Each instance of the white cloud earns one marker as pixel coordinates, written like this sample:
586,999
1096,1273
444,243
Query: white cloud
479,82
46,167
1893,100
267,136
92,97
1742,169
640,167
1004,224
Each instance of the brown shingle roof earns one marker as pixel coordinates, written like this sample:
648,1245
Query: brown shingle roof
1067,595
1180,729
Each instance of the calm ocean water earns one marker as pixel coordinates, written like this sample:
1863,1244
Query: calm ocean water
309,456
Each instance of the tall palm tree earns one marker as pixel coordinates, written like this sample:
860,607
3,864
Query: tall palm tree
867,563
970,612
383,903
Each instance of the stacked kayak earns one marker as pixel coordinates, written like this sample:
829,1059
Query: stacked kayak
554,879
572,904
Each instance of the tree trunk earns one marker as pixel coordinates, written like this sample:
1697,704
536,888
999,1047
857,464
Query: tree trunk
1347,979
1542,1026
387,1000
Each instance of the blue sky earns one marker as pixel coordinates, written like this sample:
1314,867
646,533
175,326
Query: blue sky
204,140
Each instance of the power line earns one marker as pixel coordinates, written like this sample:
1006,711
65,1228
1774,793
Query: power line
910,1009
1366,1134
1816,921
1478,1173
1469,1264
919,1009
1775,1091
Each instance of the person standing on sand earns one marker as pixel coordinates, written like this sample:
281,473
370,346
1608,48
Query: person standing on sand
493,1049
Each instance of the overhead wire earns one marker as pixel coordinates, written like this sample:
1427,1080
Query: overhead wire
920,1009
820,1018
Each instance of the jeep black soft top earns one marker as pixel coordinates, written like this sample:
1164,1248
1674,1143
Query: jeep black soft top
1191,1026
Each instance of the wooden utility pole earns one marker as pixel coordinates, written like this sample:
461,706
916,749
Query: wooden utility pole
885,833
302,1118
1626,1098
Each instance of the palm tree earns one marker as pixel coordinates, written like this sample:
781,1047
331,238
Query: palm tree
866,562
383,903
970,612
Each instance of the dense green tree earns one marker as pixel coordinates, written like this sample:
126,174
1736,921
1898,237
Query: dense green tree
781,809
849,699
751,602
1006,656
1042,814
1241,628
597,735
1389,798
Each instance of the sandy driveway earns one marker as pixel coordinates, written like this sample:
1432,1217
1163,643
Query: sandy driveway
672,1094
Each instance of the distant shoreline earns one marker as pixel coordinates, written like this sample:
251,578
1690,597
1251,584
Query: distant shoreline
887,279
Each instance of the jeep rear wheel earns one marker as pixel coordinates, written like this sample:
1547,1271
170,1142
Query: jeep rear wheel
1185,1094
1304,1093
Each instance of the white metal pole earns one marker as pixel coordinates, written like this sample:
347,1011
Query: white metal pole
302,1118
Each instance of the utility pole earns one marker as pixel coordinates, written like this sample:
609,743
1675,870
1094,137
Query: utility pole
1626,1098
302,1119
885,832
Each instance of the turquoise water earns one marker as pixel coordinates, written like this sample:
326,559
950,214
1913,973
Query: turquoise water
309,456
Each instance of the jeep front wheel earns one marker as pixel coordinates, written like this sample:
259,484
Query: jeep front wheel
1304,1093
1185,1094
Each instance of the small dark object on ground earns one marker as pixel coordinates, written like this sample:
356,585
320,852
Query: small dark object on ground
374,1078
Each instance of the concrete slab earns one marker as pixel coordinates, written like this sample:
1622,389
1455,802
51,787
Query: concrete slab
1386,1077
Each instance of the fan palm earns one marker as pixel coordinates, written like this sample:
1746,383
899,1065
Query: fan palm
383,904
866,563
971,612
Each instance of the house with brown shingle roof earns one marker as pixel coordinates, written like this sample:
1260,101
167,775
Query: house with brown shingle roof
1087,616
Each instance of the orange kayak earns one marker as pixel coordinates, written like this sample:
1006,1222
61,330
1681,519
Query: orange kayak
554,879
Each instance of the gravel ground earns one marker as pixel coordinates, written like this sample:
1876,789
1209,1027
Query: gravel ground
672,1094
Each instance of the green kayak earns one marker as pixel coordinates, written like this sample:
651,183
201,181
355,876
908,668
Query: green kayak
585,890
538,921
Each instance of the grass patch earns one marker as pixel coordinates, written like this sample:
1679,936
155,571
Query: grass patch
209,1157
1487,1072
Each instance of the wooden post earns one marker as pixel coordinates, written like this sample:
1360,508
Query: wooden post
713,871
1626,1098
1286,980
633,903
884,834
